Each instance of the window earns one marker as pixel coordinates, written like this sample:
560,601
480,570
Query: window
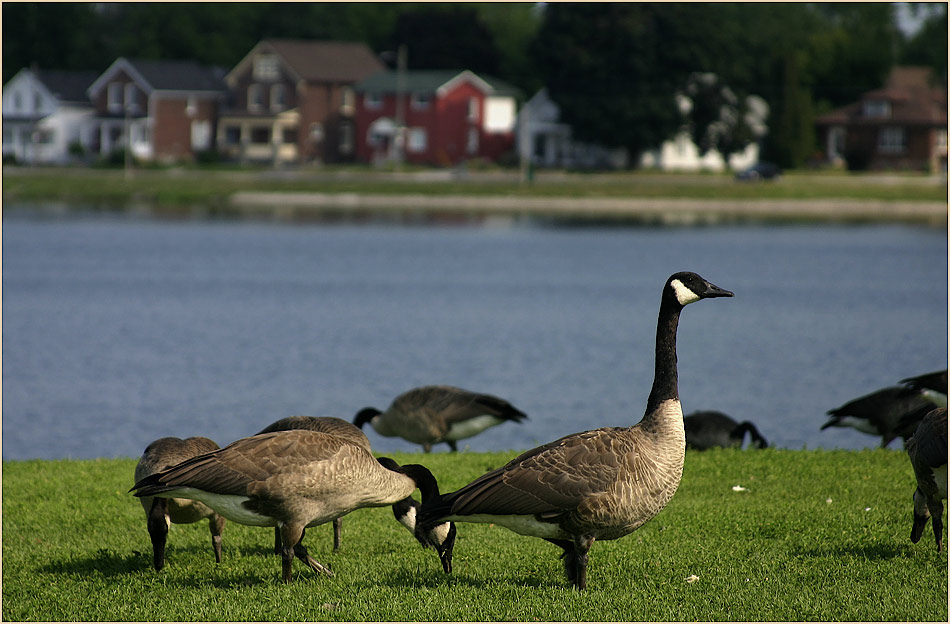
471,142
114,97
421,101
37,102
891,140
278,97
373,100
191,106
265,67
44,136
316,131
255,98
260,135
200,135
879,109
418,140
289,135
232,135
473,109
129,95
941,140
346,138
348,101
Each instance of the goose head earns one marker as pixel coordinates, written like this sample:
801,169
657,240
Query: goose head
441,537
685,288
365,415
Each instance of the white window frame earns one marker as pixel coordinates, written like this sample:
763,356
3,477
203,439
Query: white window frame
278,97
421,101
114,95
128,96
892,140
255,95
417,140
473,109
877,109
266,67
471,141
373,101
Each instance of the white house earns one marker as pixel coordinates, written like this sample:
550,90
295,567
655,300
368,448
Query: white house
47,115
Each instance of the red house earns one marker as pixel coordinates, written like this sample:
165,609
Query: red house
433,117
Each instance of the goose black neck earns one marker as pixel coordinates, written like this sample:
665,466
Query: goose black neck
665,380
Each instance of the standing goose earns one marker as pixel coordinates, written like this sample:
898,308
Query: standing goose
433,414
928,455
160,512
289,479
600,484
405,511
705,430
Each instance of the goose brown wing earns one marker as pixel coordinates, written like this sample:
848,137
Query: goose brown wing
549,480
255,459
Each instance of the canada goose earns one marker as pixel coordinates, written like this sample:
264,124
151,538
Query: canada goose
890,412
160,512
600,484
405,511
931,385
928,455
333,426
292,480
705,430
433,414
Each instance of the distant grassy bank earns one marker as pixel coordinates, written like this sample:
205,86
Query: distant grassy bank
814,535
211,191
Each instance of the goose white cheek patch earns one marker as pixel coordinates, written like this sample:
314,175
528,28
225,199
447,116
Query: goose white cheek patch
683,294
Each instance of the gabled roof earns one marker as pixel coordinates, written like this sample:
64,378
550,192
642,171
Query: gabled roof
912,101
67,85
165,76
317,61
433,81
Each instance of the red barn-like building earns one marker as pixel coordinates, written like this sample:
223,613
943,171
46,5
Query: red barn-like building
439,117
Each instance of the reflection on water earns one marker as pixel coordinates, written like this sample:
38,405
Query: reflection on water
117,331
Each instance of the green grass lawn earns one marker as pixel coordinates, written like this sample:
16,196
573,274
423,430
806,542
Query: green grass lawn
214,187
815,535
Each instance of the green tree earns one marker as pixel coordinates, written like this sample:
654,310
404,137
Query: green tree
928,46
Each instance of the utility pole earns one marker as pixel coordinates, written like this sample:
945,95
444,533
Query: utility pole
400,138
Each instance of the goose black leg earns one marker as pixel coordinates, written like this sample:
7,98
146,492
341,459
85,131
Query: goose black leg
216,524
337,533
936,517
569,556
582,544
158,530
276,540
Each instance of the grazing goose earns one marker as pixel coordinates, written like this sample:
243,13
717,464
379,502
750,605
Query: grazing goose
433,414
706,430
931,385
594,485
890,412
928,455
160,512
405,511
289,479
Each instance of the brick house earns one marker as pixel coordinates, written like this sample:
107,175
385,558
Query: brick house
292,101
434,117
46,115
169,107
903,125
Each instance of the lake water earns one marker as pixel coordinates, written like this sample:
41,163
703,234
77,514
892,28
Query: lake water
118,330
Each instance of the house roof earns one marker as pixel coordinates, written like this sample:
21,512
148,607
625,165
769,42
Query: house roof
431,81
319,61
67,85
165,76
912,101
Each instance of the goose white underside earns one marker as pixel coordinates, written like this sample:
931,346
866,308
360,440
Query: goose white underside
523,525
940,476
228,505
861,424
472,427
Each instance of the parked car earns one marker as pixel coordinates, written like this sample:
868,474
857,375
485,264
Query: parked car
760,171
